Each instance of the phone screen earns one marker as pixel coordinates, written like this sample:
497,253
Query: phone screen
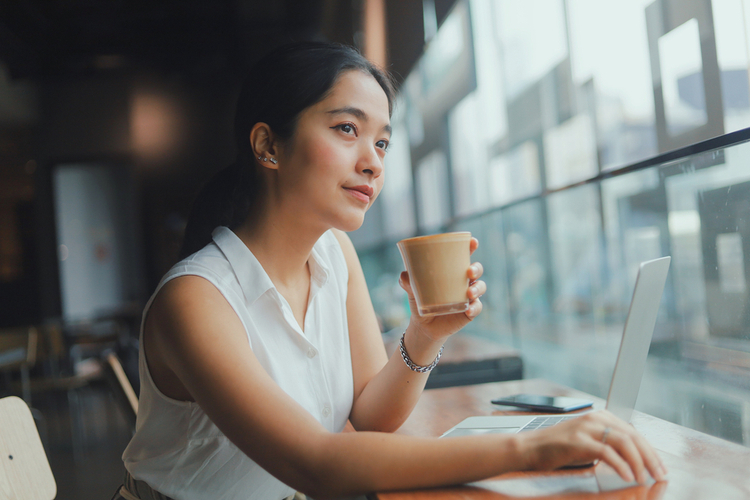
538,402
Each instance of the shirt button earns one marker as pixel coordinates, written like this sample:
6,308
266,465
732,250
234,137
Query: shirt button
311,353
326,411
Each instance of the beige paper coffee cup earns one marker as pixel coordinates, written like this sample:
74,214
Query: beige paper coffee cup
438,267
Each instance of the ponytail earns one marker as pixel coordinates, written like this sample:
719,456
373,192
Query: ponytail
226,200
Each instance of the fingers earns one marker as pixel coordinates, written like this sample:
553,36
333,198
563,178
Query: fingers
597,435
651,460
608,455
641,456
475,271
475,307
630,446
476,290
404,281
473,245
627,449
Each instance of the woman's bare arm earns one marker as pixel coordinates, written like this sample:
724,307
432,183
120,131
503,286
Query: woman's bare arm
386,390
196,334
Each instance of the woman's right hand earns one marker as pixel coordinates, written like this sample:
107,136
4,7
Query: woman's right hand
595,436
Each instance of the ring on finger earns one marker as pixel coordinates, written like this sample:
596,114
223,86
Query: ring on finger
607,430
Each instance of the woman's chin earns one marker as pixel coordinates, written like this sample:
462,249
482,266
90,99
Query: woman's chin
350,224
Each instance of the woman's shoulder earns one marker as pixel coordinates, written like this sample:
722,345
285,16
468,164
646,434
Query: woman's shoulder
338,238
207,270
343,244
208,260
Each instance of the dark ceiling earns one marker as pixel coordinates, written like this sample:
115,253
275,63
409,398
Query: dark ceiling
42,38
72,38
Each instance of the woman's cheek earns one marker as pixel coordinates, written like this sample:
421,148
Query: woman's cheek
323,153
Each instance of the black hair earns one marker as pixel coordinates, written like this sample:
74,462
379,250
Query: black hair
279,87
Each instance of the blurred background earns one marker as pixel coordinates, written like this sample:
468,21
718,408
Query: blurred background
574,138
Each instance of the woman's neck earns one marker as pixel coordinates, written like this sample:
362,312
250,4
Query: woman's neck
282,245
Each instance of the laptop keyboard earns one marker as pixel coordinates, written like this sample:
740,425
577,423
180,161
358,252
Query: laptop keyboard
544,421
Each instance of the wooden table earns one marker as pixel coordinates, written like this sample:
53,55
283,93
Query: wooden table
700,466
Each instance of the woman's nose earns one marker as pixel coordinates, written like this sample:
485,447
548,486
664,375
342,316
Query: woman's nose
371,163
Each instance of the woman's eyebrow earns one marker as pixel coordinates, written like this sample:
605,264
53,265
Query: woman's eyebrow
351,110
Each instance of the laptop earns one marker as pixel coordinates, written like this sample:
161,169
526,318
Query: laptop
631,361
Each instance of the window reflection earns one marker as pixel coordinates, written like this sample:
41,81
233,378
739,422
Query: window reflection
682,78
469,150
563,92
534,39
610,62
576,262
731,18
570,152
443,52
515,174
432,189
397,197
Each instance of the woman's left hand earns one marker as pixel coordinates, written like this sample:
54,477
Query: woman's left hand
438,328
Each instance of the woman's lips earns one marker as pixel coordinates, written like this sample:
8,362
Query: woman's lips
362,193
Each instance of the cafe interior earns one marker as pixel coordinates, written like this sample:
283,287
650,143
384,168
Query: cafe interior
574,139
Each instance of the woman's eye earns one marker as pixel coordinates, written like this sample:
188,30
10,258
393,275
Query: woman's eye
346,128
383,145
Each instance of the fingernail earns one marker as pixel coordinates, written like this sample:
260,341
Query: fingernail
629,477
474,291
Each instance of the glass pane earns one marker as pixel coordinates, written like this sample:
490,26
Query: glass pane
443,52
570,152
534,39
611,67
682,78
490,75
432,187
494,323
382,267
528,266
730,28
515,174
468,156
397,196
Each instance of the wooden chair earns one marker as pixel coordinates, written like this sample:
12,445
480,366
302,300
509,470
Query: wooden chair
18,348
121,386
24,469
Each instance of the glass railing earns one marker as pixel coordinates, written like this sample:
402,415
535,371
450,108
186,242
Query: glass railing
560,268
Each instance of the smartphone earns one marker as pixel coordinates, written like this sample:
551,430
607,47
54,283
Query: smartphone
553,404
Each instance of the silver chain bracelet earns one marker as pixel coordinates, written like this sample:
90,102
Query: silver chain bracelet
413,366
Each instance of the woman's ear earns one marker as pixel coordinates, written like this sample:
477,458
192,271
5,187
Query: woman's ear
264,144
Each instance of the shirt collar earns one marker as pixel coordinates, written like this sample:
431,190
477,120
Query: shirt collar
251,276
318,272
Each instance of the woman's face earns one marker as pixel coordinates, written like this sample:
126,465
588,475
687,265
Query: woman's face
332,168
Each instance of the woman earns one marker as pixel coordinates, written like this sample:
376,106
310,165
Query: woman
259,346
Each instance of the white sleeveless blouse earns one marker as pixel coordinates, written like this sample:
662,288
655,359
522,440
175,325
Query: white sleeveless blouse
176,448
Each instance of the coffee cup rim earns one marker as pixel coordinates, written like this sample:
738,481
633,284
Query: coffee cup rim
455,235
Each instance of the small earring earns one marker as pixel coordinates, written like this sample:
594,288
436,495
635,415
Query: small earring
259,158
265,159
274,161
